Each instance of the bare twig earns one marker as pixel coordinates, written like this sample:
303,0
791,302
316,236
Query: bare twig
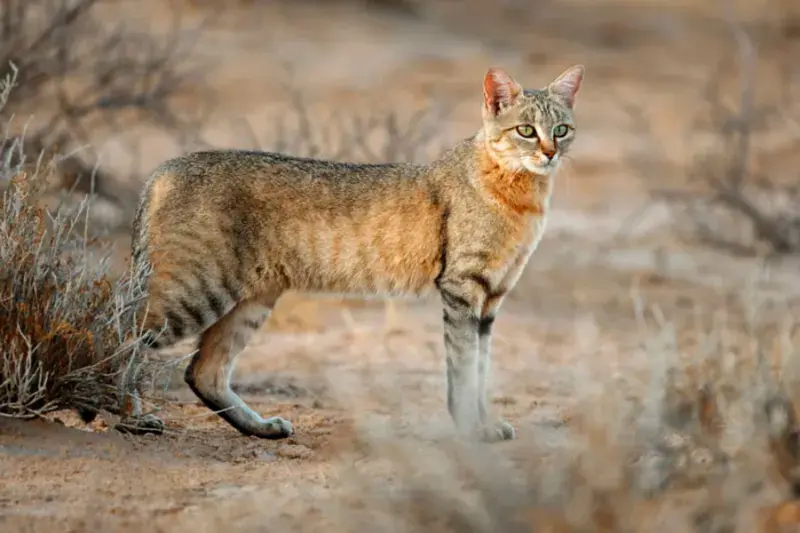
727,192
94,74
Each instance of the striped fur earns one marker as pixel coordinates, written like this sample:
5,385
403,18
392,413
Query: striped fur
227,232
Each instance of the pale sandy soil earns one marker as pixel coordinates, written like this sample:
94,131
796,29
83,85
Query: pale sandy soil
319,362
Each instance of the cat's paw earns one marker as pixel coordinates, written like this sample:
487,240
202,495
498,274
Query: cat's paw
141,425
498,431
274,428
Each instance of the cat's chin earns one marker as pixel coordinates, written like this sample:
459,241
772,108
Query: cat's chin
540,170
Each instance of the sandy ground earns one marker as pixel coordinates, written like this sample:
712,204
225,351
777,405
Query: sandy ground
334,367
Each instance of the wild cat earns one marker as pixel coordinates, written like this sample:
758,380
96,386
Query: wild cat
226,232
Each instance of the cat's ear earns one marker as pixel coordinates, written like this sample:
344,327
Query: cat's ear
567,84
499,90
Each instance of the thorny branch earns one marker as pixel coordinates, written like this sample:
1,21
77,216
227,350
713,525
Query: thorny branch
727,191
94,74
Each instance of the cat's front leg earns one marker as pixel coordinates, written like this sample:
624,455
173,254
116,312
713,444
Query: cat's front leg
462,303
494,430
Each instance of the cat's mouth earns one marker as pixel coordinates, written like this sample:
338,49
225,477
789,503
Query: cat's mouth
536,166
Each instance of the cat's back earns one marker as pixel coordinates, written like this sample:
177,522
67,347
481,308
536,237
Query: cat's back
226,170
197,185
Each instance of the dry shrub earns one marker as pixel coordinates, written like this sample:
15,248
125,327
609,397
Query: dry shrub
68,332
741,194
78,74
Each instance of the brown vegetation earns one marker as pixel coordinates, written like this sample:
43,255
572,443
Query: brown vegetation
68,331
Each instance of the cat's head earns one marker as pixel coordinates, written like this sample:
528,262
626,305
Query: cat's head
529,129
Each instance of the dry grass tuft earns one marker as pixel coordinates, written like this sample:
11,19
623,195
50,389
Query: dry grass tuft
703,438
68,332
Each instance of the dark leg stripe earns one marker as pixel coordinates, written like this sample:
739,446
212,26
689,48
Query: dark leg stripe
481,281
176,324
216,302
448,340
485,326
219,299
448,320
194,312
460,317
454,301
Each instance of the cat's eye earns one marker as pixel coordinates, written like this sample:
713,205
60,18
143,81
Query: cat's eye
526,131
561,130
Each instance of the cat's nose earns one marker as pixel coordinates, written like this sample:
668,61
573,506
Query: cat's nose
549,152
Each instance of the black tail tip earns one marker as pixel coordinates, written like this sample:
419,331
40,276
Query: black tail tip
87,414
